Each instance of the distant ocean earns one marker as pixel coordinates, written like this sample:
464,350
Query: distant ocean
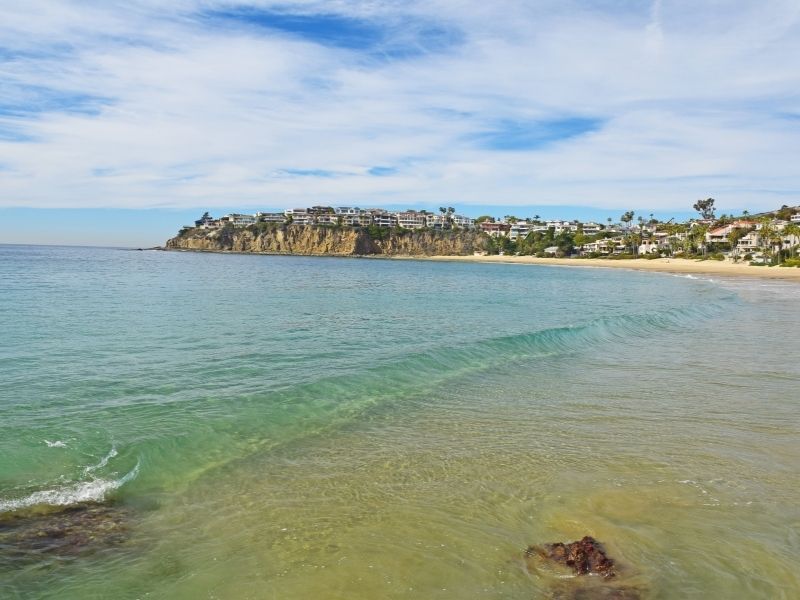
289,427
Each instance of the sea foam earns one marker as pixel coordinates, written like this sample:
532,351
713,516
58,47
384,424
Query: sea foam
83,491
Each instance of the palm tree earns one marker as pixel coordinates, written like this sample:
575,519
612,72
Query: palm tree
793,230
627,218
767,235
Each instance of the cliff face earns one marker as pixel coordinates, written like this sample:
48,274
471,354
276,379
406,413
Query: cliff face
316,240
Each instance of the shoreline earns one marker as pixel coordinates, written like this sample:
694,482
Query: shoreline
659,265
681,266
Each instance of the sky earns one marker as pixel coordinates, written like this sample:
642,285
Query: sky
139,115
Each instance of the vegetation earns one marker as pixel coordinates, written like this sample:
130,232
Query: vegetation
705,208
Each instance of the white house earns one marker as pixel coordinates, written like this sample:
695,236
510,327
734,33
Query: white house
411,219
238,220
591,228
463,222
383,219
265,217
519,230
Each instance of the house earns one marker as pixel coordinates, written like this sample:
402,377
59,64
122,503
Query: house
299,216
720,234
796,218
463,222
604,246
264,217
238,220
495,229
411,219
383,218
204,221
437,221
519,230
749,243
591,228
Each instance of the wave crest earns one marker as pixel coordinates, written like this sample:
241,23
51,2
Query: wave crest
77,493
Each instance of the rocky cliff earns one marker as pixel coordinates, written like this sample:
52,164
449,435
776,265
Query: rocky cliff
321,240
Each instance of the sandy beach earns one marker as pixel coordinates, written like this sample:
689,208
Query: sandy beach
667,265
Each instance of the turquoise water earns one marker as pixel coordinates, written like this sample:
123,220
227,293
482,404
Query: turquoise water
282,427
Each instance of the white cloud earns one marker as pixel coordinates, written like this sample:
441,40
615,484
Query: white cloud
696,99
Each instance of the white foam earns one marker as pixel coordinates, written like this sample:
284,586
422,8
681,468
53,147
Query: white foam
84,491
103,462
56,444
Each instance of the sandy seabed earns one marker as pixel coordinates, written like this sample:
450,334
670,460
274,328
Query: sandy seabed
667,265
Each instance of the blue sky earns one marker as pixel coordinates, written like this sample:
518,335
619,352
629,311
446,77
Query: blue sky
134,116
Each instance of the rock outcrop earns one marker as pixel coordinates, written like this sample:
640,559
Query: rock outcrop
329,241
584,557
567,566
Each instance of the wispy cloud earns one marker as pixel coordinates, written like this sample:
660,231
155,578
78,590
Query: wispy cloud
209,102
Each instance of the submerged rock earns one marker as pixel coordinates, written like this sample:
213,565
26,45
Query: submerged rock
584,557
569,563
67,531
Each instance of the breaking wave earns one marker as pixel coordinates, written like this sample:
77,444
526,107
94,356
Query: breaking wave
95,490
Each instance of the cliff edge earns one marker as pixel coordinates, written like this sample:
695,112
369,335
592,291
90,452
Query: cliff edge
329,241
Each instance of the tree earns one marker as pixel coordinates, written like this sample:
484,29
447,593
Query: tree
484,218
627,218
510,219
785,213
705,208
793,230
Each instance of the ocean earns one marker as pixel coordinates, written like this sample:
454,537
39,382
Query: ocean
181,426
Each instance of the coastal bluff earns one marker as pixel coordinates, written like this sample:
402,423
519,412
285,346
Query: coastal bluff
318,240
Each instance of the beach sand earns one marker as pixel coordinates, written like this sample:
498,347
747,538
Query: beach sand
667,265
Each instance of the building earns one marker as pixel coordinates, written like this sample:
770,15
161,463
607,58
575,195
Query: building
519,230
604,246
299,216
749,243
264,217
495,229
437,221
238,220
720,234
463,222
412,219
383,219
203,221
591,228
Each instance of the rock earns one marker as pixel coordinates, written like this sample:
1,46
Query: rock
329,241
584,557
580,558
69,531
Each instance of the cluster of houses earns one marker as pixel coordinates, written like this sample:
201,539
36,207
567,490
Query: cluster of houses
344,215
750,236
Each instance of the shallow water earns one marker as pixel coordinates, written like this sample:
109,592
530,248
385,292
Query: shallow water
285,427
